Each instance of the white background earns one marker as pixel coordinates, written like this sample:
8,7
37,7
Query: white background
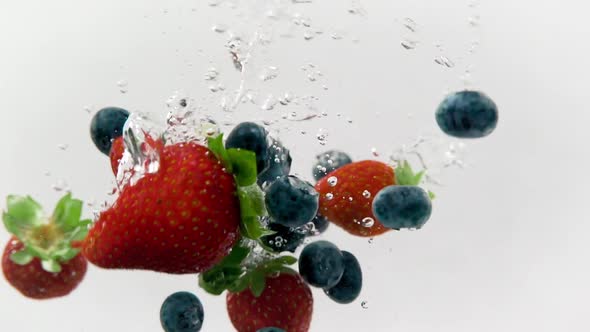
506,248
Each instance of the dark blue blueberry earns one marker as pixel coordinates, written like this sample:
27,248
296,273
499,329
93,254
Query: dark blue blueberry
107,125
399,207
349,287
329,161
320,223
182,312
321,264
278,164
291,202
252,137
284,239
467,114
271,329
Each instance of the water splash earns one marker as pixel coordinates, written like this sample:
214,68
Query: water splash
142,138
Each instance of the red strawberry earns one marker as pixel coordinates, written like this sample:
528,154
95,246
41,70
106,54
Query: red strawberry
36,283
349,202
182,219
286,303
117,150
39,260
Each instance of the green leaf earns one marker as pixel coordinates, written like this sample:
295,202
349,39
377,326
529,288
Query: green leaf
51,265
22,257
65,254
22,213
257,283
67,213
228,272
239,285
286,260
215,144
255,201
250,210
431,195
243,165
236,256
405,176
77,234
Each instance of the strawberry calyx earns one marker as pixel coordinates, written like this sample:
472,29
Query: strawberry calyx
405,176
249,263
241,270
242,164
48,239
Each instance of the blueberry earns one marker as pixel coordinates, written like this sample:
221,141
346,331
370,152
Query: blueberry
467,114
107,125
182,312
284,239
349,287
250,136
399,207
291,202
271,329
329,161
320,223
321,264
278,164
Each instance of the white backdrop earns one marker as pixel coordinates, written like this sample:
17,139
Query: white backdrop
506,249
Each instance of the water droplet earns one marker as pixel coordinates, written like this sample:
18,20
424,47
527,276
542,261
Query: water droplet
371,240
219,28
269,73
444,61
88,109
368,222
410,24
60,185
211,74
366,194
329,196
336,36
350,198
322,136
374,152
365,305
332,181
409,44
269,103
63,147
122,84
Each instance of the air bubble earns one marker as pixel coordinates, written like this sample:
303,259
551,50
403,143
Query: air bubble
365,305
366,194
368,222
219,28
444,61
122,84
329,196
332,181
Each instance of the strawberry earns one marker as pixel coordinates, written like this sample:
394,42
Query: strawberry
184,218
39,260
348,202
35,282
117,150
286,302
